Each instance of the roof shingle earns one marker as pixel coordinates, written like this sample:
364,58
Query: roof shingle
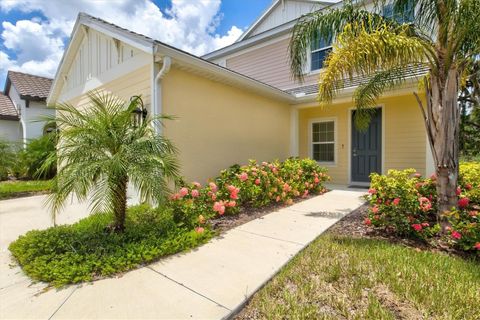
30,86
7,109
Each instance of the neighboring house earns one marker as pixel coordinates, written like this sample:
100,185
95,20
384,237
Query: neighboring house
243,106
22,105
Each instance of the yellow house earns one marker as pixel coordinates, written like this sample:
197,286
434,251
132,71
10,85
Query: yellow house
226,114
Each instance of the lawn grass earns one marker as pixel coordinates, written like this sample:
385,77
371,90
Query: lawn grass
12,189
340,277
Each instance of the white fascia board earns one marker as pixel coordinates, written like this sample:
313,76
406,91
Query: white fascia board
284,28
200,64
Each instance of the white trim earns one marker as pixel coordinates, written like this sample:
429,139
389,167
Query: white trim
335,139
349,145
294,129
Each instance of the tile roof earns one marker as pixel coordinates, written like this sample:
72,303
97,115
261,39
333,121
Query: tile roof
30,86
7,109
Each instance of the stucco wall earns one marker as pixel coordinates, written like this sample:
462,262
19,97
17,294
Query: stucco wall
404,135
10,131
219,125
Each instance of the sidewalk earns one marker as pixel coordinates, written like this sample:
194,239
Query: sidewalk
210,282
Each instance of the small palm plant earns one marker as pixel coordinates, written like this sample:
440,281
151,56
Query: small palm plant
102,148
443,38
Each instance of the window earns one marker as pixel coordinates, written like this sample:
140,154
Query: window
323,141
406,17
320,48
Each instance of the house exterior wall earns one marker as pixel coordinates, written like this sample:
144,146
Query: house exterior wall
404,139
134,83
210,133
269,64
218,125
283,12
11,131
30,125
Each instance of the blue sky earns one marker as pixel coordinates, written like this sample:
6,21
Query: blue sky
33,33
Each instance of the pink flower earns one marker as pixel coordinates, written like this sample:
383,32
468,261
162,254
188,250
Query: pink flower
396,201
277,198
468,186
214,197
473,213
286,187
199,229
375,209
477,246
456,235
463,203
372,191
425,204
243,176
213,187
195,193
231,204
417,227
197,184
183,192
219,207
175,196
367,221
433,177
305,194
425,224
257,181
316,180
458,191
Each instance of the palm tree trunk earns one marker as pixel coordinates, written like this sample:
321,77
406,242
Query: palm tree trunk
120,206
443,125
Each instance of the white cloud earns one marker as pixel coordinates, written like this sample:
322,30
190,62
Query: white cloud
188,25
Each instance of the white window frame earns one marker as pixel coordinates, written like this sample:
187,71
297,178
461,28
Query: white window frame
308,65
311,143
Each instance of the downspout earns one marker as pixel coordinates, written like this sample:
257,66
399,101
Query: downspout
157,105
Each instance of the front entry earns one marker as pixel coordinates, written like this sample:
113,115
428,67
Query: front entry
366,153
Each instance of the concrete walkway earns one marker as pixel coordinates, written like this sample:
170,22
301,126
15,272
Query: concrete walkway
210,282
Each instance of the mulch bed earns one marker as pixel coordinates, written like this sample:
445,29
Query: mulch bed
353,225
23,194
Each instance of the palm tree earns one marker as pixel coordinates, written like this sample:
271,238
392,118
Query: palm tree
102,148
442,39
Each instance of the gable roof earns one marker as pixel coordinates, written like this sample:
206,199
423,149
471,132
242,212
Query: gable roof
272,7
159,49
7,109
28,86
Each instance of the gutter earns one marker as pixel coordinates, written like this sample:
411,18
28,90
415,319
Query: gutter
157,107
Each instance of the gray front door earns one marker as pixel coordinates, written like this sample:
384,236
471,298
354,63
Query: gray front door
366,150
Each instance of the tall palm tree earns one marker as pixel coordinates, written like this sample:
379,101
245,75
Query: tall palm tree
102,148
442,38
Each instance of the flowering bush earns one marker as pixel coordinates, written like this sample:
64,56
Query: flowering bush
405,203
254,185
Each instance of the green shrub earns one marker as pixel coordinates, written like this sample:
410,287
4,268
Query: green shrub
34,162
405,203
7,159
86,250
252,185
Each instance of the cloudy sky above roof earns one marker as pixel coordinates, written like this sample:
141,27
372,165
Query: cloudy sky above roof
33,33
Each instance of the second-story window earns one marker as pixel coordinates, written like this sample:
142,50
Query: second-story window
320,49
406,16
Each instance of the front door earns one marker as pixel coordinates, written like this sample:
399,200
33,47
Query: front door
366,150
